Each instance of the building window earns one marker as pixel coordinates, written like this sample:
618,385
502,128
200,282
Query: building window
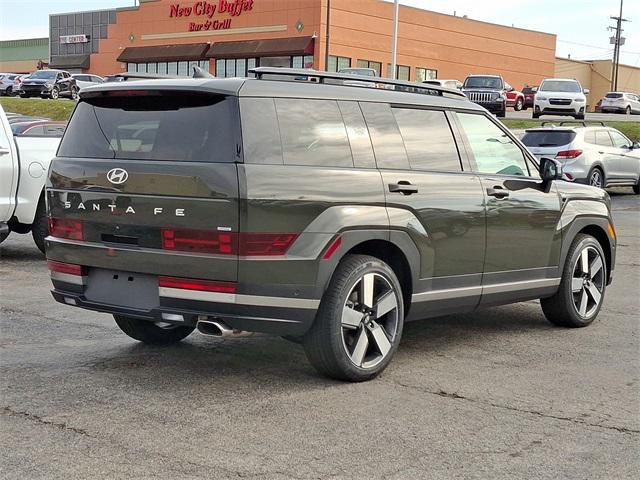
182,68
402,72
338,63
423,74
377,66
234,67
302,61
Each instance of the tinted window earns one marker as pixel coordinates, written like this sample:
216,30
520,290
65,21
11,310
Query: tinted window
358,134
493,149
43,74
312,133
613,95
34,131
178,127
385,136
427,139
548,138
603,138
260,132
619,140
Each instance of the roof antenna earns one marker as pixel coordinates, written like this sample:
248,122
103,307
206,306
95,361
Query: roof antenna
200,73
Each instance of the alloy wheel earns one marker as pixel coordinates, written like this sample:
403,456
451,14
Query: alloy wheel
54,93
596,179
587,283
370,320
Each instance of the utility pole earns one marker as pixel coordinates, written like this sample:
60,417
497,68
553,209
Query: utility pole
326,51
394,41
618,41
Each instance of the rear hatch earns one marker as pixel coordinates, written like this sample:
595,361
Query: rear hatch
146,181
548,142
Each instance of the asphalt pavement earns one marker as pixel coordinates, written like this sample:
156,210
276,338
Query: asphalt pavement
499,394
589,117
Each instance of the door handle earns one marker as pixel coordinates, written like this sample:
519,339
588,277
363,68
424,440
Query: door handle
497,191
403,187
601,153
4,151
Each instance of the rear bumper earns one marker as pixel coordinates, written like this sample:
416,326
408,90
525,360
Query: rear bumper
254,313
613,109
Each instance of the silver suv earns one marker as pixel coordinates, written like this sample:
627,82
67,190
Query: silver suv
597,155
620,102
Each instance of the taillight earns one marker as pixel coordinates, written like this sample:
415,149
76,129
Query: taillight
68,268
227,243
568,154
66,228
194,284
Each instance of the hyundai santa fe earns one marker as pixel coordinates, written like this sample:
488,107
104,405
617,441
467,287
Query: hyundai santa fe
324,212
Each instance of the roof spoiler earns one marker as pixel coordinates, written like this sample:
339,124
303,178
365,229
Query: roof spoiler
314,76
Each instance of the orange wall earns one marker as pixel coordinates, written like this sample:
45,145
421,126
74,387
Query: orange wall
360,29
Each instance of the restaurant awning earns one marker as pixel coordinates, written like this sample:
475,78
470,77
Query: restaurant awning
164,53
262,48
70,61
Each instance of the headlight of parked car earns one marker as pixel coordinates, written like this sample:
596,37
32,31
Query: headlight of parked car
541,98
580,100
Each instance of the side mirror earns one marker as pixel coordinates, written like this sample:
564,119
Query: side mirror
550,169
586,91
635,145
534,89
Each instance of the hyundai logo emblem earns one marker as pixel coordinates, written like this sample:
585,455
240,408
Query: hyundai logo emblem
117,176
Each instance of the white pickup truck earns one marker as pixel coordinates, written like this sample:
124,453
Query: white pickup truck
24,162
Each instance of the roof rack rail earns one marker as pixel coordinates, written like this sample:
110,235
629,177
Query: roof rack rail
357,80
544,124
142,76
582,122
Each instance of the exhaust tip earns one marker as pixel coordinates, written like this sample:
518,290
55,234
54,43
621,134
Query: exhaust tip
208,327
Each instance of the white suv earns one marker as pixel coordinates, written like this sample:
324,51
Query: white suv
560,96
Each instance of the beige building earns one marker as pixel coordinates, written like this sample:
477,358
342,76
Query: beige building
596,76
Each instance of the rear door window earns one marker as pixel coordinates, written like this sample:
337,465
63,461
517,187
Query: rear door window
619,140
548,138
172,127
313,133
603,138
428,140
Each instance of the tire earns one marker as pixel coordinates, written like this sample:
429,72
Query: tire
74,93
3,236
40,227
636,188
502,113
152,333
597,178
22,95
519,105
579,116
535,115
627,110
55,93
581,294
8,92
349,340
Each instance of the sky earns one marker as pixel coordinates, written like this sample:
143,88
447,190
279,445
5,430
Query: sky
580,25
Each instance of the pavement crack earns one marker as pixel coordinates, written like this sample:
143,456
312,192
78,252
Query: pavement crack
38,419
456,396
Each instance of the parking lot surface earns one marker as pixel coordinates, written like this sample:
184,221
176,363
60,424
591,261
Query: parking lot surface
589,117
497,394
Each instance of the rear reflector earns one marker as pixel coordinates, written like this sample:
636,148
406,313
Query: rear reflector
565,154
200,285
68,268
227,243
66,228
332,248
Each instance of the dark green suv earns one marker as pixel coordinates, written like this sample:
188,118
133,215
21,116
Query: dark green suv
315,207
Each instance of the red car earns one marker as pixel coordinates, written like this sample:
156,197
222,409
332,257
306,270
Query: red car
515,98
529,93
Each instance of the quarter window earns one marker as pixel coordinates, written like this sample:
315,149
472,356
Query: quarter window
493,149
428,139
358,134
385,136
260,131
313,133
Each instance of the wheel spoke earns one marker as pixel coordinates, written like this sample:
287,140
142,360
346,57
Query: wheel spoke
584,261
385,304
576,284
594,292
360,350
380,338
351,318
584,298
595,266
367,289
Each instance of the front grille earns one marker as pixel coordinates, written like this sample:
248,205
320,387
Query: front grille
480,97
560,101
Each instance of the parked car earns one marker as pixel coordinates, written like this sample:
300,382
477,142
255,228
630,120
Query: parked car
87,80
515,98
598,107
39,128
621,102
366,72
456,84
6,83
23,118
49,84
393,215
529,94
596,155
488,91
24,161
560,96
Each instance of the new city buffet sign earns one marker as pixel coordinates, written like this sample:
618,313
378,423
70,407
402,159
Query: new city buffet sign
203,13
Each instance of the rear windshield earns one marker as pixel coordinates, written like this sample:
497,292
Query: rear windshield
177,127
613,95
548,139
